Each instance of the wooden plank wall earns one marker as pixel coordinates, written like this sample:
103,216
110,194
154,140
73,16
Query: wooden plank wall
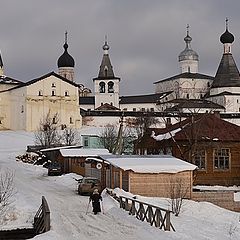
158,185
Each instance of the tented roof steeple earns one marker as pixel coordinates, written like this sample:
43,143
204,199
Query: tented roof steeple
106,69
227,74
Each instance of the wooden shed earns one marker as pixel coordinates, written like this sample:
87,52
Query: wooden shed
73,160
148,175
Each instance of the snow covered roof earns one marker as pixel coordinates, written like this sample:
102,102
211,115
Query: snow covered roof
149,163
84,152
57,148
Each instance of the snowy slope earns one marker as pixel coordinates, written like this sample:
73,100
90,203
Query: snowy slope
69,220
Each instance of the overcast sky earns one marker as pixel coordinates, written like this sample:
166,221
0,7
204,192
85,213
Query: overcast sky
145,37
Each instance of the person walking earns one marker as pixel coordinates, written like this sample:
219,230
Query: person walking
96,197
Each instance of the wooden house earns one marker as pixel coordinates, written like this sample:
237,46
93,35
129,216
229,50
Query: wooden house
204,140
147,175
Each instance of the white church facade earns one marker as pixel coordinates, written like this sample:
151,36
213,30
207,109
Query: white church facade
24,105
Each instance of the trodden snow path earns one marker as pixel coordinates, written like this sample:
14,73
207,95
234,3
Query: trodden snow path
68,209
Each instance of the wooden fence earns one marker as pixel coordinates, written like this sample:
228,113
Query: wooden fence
156,216
42,218
41,224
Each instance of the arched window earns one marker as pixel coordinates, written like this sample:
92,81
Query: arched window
110,87
66,93
102,87
105,71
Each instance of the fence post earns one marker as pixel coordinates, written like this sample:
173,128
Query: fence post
168,223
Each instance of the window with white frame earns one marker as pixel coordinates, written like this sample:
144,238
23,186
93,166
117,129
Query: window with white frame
200,159
221,158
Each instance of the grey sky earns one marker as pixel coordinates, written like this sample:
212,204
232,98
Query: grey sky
145,37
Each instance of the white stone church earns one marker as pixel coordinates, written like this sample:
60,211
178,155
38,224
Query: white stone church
24,104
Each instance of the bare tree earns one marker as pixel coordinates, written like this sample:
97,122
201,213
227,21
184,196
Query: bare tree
6,190
108,137
47,134
117,140
69,136
177,191
142,123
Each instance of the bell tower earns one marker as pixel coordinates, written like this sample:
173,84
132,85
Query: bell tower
106,85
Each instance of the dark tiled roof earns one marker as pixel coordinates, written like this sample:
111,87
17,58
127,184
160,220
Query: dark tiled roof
193,103
227,74
206,127
8,80
187,75
42,77
107,106
87,100
225,93
210,127
151,98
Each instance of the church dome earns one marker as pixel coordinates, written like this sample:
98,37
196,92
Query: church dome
65,60
227,37
188,53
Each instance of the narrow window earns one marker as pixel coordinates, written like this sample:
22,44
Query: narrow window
53,84
200,158
85,141
22,109
187,96
53,93
71,120
102,87
40,93
134,109
54,120
105,71
66,93
221,158
110,87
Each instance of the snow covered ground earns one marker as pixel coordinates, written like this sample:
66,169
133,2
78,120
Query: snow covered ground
69,220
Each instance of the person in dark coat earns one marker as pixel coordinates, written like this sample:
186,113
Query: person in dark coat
95,198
